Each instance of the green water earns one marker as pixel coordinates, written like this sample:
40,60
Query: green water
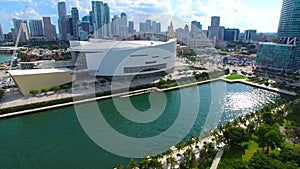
55,138
4,58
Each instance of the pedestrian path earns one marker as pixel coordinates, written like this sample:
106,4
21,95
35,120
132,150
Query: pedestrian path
217,159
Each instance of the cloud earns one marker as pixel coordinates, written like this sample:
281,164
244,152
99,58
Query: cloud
27,13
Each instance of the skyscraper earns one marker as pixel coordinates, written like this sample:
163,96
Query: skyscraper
1,34
75,20
215,21
215,31
101,19
196,27
249,35
62,20
49,32
289,23
231,35
36,28
22,26
130,27
283,56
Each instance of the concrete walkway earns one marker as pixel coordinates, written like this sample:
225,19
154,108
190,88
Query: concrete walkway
217,159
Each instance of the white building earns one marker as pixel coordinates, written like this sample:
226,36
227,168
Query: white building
36,79
122,58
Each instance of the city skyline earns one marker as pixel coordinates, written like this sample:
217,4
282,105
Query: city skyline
234,13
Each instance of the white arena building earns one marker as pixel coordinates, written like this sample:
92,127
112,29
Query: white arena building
106,58
123,58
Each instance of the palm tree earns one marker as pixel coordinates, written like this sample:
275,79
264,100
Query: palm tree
287,125
118,167
248,117
171,161
133,164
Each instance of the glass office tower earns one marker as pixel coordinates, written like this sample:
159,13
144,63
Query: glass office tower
285,56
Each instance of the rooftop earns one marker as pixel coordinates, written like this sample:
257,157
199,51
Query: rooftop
37,71
98,45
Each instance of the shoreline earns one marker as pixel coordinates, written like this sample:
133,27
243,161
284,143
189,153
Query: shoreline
129,94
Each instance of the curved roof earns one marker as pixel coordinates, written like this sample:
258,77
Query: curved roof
100,45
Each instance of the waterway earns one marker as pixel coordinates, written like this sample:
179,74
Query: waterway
4,58
56,138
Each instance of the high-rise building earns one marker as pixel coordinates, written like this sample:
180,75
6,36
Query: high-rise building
249,35
101,19
1,34
186,29
156,27
289,23
123,29
283,56
22,26
36,28
148,25
215,31
49,32
119,26
195,27
131,27
231,35
221,33
53,30
171,33
91,22
143,27
215,21
75,20
62,20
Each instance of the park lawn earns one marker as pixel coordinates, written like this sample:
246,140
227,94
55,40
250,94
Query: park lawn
235,77
244,152
251,149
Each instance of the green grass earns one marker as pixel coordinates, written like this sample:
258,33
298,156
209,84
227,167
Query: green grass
252,147
244,152
235,77
295,114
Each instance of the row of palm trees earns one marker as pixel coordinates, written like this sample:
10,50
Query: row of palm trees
194,156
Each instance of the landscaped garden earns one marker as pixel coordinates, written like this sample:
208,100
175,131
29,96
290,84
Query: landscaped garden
235,77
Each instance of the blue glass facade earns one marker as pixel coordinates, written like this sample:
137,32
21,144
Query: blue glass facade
283,56
278,56
289,24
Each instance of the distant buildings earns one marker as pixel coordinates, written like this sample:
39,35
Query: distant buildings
22,26
171,33
215,30
75,22
283,56
49,29
119,26
99,24
196,27
1,34
36,28
131,27
231,35
62,21
249,35
101,19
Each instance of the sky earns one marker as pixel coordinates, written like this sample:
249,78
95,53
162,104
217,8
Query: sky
262,15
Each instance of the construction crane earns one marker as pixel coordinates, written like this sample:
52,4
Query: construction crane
15,53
